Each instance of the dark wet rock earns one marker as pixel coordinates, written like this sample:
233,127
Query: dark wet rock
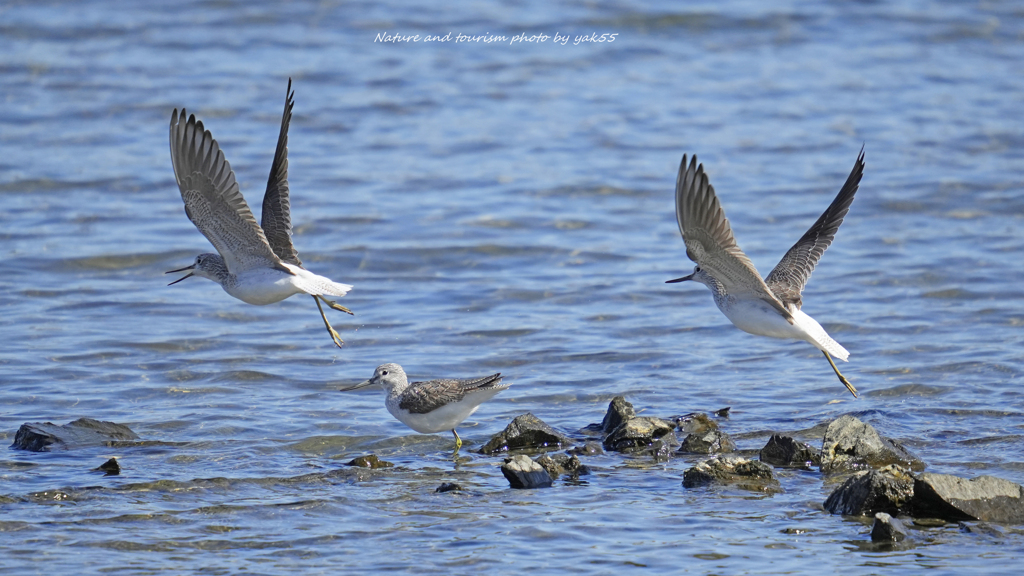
558,464
448,487
981,528
637,434
851,445
889,490
587,449
45,436
369,461
663,448
785,451
618,412
110,467
697,423
521,472
723,412
525,432
887,529
744,473
710,442
984,498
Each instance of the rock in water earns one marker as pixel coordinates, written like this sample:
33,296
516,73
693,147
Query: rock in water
587,449
785,451
525,432
559,464
711,442
369,461
110,467
850,445
619,411
887,529
744,473
45,436
890,490
698,423
521,472
984,498
637,434
448,487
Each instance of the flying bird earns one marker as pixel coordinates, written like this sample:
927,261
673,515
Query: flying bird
255,263
768,307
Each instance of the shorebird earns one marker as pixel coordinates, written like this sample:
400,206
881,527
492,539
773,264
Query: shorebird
435,405
256,263
768,307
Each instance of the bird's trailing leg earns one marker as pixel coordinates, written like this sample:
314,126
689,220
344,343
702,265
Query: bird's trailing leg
334,335
458,441
335,305
841,377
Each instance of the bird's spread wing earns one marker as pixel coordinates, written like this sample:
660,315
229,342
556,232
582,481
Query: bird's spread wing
789,277
212,199
425,397
276,220
709,240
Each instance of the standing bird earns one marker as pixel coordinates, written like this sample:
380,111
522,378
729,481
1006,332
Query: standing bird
769,307
256,263
432,406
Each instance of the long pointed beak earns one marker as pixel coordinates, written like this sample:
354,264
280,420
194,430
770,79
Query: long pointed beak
192,267
362,384
683,279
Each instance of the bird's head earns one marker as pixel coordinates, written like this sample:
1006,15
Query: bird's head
390,377
209,266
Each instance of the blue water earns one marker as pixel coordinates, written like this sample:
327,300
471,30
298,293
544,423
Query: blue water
507,208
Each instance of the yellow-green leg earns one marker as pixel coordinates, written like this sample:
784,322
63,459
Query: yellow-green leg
335,305
841,377
458,441
334,335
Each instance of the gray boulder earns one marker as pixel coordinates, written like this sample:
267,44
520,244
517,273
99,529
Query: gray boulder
525,432
887,529
618,412
850,445
741,472
787,452
46,436
889,490
637,434
523,473
985,498
710,442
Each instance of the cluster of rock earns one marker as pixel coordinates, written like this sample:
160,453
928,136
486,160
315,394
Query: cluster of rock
883,478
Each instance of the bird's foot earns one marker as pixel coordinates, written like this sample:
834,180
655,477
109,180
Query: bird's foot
336,306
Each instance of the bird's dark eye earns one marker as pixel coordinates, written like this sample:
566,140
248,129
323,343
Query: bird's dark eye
384,373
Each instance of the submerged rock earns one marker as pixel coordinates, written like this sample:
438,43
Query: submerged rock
711,442
525,432
887,529
110,467
619,411
369,461
587,449
44,436
889,490
559,464
850,445
521,472
448,487
744,473
637,434
785,451
984,498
